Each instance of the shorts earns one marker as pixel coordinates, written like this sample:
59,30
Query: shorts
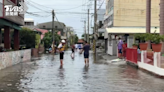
86,55
61,55
73,51
120,51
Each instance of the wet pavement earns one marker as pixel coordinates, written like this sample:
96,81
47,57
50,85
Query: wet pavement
46,75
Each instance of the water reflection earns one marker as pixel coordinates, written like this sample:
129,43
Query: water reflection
130,72
86,68
61,72
85,72
52,58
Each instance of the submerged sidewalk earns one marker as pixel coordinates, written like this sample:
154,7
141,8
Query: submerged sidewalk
108,59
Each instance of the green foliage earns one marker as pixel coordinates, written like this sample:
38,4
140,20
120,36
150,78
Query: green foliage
142,37
76,39
82,35
27,37
156,38
48,39
37,40
26,29
135,44
73,39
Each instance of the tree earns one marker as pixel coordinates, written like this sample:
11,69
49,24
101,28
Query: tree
37,40
82,35
73,39
76,39
27,37
48,39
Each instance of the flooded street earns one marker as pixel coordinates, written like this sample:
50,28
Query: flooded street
46,75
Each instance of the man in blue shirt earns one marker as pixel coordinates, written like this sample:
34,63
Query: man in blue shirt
86,49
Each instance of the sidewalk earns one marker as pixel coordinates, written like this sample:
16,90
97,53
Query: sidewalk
107,59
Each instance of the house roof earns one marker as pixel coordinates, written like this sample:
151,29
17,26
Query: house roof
48,25
80,41
43,31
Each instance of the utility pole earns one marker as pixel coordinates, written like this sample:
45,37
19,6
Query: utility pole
162,21
148,18
95,29
88,26
67,36
53,16
85,34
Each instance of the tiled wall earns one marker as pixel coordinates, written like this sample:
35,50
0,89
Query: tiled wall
11,58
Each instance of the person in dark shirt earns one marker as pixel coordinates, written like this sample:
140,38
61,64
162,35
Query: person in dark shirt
86,49
73,51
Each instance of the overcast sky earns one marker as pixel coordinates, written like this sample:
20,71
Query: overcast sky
70,19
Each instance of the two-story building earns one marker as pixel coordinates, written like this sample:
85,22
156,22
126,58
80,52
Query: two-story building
29,23
126,17
101,29
58,27
10,21
69,32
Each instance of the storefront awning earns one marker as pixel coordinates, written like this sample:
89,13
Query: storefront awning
10,24
132,30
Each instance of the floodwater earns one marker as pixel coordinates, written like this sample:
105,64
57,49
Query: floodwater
46,75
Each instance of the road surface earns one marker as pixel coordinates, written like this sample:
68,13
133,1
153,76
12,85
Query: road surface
46,75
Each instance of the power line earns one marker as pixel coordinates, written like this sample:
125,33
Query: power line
35,6
58,21
101,4
40,4
74,7
37,15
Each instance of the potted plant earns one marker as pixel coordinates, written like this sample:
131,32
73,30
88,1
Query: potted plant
143,38
135,46
156,42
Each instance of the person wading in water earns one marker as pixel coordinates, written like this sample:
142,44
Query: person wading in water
61,48
86,49
73,51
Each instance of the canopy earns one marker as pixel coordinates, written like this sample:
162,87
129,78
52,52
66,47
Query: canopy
132,30
4,22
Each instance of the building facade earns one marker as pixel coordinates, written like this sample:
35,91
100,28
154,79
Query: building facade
100,22
130,13
58,27
9,22
68,34
29,23
124,18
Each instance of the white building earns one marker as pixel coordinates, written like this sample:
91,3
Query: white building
29,23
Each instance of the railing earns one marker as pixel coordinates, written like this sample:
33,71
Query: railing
132,55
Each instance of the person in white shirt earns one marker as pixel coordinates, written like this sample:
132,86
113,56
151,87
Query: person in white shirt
76,46
61,48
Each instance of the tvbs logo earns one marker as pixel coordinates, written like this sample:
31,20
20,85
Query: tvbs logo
15,10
